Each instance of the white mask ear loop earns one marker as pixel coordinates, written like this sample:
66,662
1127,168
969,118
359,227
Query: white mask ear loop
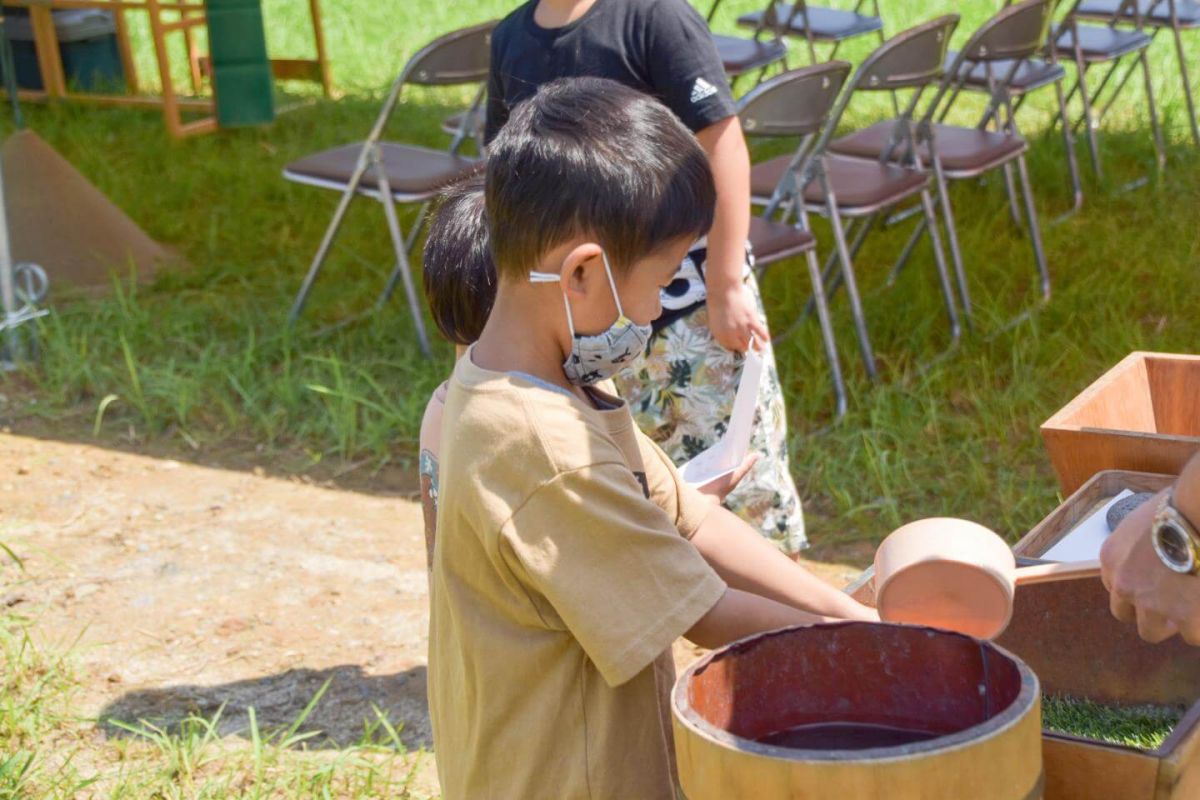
612,285
550,277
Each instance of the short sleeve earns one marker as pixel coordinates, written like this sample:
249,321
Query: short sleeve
611,567
684,67
684,504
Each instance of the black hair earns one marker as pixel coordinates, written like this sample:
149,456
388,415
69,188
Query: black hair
459,275
589,156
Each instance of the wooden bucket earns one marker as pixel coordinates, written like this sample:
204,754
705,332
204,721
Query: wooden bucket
982,705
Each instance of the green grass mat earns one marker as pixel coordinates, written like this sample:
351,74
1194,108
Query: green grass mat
1145,727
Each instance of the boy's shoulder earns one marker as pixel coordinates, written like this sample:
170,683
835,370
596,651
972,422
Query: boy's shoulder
505,419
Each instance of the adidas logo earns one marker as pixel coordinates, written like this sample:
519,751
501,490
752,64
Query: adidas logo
702,89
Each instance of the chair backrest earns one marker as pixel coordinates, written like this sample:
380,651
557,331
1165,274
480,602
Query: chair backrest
1017,32
911,59
796,103
461,56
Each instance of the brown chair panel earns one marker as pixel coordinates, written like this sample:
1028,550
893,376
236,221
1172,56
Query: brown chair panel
740,55
774,241
962,150
1155,13
827,24
1099,42
410,170
1030,75
857,183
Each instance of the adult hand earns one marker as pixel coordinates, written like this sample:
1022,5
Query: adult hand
720,488
1142,589
733,318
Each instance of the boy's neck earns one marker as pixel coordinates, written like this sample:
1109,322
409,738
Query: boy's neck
513,340
557,13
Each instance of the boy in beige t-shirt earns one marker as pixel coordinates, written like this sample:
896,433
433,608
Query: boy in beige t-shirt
569,555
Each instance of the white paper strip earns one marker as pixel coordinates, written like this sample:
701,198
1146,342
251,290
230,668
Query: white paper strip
730,451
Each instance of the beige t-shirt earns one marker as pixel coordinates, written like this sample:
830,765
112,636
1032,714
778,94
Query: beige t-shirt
561,576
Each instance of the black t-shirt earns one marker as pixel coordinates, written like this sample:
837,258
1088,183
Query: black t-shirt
660,47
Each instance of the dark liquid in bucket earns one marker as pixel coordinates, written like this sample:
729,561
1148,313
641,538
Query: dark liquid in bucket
844,736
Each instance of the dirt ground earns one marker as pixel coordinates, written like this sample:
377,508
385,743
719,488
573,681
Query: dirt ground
188,586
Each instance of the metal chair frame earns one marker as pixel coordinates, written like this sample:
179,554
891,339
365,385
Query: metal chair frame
1149,16
809,164
965,80
792,90
984,47
419,70
759,30
1089,119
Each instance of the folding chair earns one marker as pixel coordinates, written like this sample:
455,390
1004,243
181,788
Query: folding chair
1156,15
1027,76
815,24
740,55
395,173
862,191
796,103
1012,37
1089,45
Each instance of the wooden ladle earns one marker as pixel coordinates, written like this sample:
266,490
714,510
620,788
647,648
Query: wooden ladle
956,574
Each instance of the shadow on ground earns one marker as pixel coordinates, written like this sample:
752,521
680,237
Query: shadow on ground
340,717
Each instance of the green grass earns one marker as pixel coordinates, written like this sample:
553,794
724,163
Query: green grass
47,751
203,357
1144,727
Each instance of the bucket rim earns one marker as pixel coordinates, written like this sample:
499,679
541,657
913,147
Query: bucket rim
1028,697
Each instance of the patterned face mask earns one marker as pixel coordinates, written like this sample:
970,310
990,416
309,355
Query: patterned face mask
600,356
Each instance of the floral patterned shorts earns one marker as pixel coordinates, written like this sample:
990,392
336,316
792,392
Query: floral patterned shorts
682,395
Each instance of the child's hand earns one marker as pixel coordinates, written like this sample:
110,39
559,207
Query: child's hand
720,488
733,318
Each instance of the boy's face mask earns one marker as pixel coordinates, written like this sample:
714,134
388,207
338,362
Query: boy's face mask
598,357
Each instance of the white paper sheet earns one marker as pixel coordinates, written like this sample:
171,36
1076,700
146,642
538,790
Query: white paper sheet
730,451
1084,541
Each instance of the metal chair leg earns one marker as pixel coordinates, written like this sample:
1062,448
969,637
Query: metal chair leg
907,251
952,238
856,310
1010,191
1072,159
318,261
1034,230
1187,87
1160,150
831,353
1093,145
940,260
402,266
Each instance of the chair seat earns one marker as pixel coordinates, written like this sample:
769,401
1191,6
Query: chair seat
414,173
964,152
1099,43
1030,75
1155,13
827,24
740,55
775,241
861,186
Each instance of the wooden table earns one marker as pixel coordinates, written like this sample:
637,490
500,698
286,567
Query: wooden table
166,17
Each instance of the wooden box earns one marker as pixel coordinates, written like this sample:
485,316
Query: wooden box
1143,414
1065,632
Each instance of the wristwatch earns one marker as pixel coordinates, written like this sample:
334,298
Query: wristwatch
1175,539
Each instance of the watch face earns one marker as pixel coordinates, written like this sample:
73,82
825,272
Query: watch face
1174,548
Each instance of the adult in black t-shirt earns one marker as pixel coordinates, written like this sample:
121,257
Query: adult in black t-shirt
682,400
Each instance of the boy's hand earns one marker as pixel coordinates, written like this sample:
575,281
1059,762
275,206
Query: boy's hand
733,318
720,488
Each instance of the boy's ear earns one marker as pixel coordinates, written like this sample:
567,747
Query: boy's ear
581,267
